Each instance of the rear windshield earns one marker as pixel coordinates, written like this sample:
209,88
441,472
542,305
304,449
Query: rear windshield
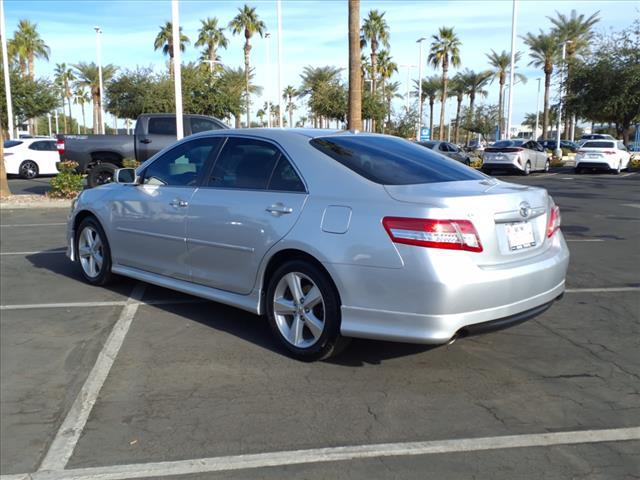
596,144
393,161
11,143
507,143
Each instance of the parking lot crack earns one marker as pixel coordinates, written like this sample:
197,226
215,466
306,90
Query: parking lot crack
491,411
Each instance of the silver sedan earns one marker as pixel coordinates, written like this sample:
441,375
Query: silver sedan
448,150
329,234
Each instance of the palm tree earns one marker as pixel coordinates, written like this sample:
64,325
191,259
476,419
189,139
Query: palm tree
288,94
211,36
247,22
543,53
577,31
459,90
391,91
63,77
445,50
232,83
475,83
87,76
501,63
375,31
261,114
81,97
354,109
315,79
386,67
164,41
27,45
431,87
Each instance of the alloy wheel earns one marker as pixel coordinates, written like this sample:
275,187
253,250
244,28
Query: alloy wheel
299,310
90,251
28,169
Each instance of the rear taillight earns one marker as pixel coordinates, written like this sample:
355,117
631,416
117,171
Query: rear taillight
60,146
447,234
554,221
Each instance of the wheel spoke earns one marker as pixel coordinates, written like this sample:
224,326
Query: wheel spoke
97,258
88,237
282,306
97,243
314,324
293,282
84,251
295,332
92,266
312,298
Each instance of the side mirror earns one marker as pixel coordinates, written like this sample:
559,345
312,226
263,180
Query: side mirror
125,176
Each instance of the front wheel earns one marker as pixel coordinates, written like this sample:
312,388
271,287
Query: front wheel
303,309
527,168
93,252
100,174
547,166
28,169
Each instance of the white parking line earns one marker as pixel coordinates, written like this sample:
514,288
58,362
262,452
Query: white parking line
628,174
13,225
584,239
114,303
69,432
37,252
334,454
633,205
602,290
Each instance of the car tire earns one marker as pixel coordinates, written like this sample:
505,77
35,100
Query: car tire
100,174
93,253
577,170
547,166
28,170
619,169
467,162
527,169
308,328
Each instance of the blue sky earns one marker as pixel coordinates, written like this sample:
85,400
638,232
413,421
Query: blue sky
314,33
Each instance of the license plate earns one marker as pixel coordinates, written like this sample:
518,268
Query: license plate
593,155
499,157
520,236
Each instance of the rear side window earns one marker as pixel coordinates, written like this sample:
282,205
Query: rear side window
203,125
12,143
598,144
162,126
392,161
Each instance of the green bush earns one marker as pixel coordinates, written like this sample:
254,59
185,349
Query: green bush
130,163
68,183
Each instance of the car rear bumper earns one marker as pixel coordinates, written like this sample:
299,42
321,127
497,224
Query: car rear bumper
509,167
597,164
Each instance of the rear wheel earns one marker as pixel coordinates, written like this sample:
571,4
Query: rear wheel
100,174
527,168
547,166
303,309
93,252
618,169
28,169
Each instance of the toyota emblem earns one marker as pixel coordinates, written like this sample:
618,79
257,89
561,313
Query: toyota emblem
525,209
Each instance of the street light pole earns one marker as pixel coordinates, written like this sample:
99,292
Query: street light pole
56,117
419,42
512,69
535,132
99,59
5,67
558,151
49,119
267,37
408,67
281,110
177,67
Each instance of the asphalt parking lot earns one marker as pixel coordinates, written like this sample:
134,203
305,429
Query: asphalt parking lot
134,381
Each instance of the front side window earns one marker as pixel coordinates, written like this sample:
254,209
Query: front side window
183,165
244,163
392,161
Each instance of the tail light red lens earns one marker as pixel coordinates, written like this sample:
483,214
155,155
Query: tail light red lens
554,221
60,146
447,234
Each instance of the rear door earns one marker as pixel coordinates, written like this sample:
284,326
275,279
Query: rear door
250,200
159,132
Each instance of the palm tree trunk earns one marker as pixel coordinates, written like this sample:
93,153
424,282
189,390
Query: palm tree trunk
354,117
443,98
237,119
70,117
472,101
96,111
374,92
457,129
501,107
84,122
31,66
545,114
64,117
247,51
290,113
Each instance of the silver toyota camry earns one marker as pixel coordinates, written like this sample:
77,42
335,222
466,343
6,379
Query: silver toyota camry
329,234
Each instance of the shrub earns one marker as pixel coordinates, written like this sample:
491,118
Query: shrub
130,163
556,162
476,163
635,162
68,183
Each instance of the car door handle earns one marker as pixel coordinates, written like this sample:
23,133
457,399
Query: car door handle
145,140
177,203
279,209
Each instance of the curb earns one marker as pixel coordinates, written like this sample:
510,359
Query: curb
46,204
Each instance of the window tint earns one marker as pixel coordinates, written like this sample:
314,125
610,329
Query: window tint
162,126
392,161
453,148
285,178
621,146
203,125
507,143
182,165
428,144
443,147
598,144
244,163
12,143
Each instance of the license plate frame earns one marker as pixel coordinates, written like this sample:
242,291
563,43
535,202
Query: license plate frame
520,236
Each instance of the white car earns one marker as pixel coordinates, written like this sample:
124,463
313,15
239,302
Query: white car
610,155
30,157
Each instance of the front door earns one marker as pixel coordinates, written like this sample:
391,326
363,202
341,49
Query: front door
251,200
149,219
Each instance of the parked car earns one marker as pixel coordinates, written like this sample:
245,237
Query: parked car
100,155
449,150
329,234
552,143
475,145
515,155
610,155
30,157
596,136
